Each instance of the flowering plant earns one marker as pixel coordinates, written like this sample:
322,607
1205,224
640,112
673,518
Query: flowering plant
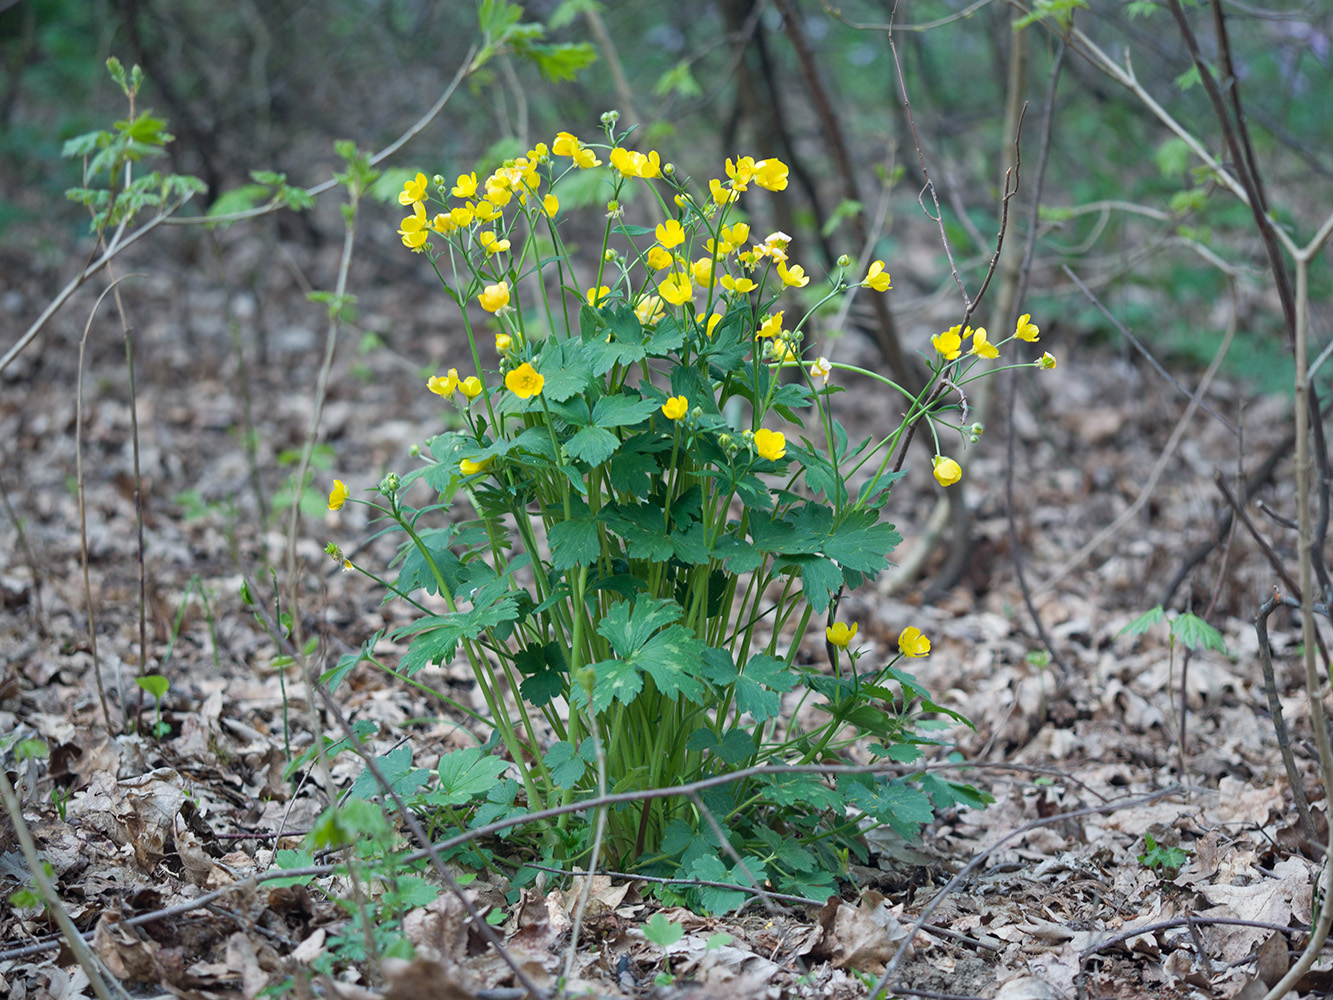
660,515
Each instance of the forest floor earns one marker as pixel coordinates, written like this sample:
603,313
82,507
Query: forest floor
152,841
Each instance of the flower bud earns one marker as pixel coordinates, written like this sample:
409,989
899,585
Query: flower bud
414,450
610,255
389,485
844,261
610,117
439,180
668,170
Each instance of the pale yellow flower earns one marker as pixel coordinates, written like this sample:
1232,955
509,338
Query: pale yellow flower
494,297
1026,330
947,471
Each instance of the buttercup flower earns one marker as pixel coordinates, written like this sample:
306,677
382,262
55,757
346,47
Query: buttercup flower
650,309
632,164
337,495
947,471
771,445
470,387
794,276
503,342
771,175
712,323
981,346
771,326
444,386
596,295
840,635
721,195
877,278
1026,330
494,297
470,468
741,172
659,258
736,234
738,285
821,369
490,243
413,228
550,205
485,211
461,216
913,643
670,234
676,407
567,145
702,269
443,224
413,191
466,186
524,381
1046,360
676,288
949,343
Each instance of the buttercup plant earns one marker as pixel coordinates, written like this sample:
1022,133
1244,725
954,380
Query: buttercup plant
662,514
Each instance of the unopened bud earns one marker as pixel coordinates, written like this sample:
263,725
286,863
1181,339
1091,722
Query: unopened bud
844,261
610,117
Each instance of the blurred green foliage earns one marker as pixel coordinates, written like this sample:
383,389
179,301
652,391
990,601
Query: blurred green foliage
267,86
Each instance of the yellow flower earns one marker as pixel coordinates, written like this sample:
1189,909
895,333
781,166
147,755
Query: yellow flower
444,386
494,297
347,566
567,145
443,224
632,164
596,295
491,244
949,343
497,194
913,643
485,211
461,216
721,195
877,278
676,288
1046,360
659,258
821,369
470,468
713,321
780,350
771,175
413,191
741,172
702,269
413,228
676,407
650,309
550,205
337,495
736,234
771,326
470,387
981,346
771,445
947,471
1026,330
738,285
466,186
794,276
840,635
670,234
503,342
524,381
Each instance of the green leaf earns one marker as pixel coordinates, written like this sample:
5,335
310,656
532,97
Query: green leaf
662,932
574,542
757,689
464,774
616,681
565,764
710,868
439,635
396,767
155,684
593,445
666,655
1196,633
621,410
1143,622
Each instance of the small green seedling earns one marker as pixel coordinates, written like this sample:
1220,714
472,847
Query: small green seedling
1166,861
663,932
157,686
